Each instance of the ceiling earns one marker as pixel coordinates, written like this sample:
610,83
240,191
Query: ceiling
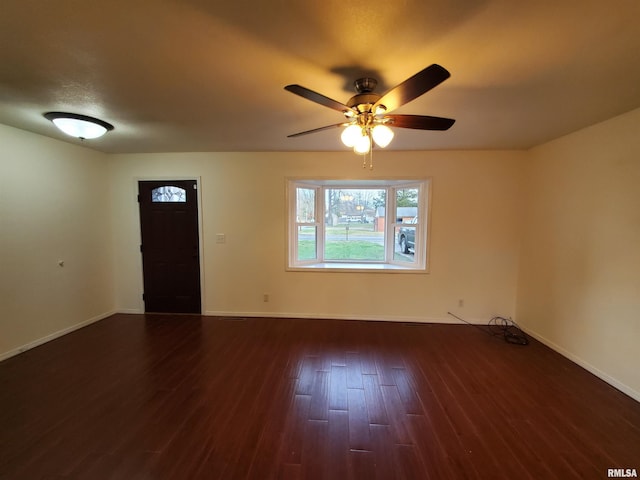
208,75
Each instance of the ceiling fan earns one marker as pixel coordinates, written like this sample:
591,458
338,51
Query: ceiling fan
367,113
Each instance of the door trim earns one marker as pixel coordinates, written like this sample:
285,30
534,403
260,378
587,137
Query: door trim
162,178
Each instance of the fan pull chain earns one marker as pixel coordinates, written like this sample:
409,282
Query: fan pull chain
364,160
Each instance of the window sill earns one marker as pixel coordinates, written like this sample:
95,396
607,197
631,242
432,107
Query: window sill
356,267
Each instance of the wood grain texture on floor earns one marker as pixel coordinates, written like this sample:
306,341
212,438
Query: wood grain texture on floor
189,397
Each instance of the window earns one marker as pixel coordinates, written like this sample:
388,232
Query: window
169,193
358,224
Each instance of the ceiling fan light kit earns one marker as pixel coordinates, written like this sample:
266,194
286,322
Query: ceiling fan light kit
367,115
79,126
363,144
382,135
350,135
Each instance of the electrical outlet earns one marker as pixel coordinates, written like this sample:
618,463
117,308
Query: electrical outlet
221,238
265,297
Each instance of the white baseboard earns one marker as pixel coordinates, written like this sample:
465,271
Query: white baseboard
135,311
53,336
329,316
586,365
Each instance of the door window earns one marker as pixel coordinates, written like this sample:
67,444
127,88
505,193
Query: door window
169,193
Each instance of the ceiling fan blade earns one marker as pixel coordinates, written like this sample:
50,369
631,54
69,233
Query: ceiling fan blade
320,129
318,98
413,87
419,122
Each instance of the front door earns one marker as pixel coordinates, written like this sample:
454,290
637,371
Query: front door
170,246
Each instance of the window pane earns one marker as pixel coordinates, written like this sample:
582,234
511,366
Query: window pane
404,250
307,242
354,224
406,204
305,205
168,193
406,219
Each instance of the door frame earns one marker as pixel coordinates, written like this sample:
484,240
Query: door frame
164,178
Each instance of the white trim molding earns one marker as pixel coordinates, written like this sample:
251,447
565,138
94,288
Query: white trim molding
586,365
53,336
329,316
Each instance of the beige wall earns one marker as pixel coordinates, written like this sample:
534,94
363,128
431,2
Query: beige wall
54,205
474,243
579,282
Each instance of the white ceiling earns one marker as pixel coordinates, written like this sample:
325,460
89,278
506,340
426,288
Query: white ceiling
208,75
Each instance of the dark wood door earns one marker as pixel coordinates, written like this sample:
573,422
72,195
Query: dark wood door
170,246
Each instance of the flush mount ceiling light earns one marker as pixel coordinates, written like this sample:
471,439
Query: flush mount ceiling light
79,126
367,115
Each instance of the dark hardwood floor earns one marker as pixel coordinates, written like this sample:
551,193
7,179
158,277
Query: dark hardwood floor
189,397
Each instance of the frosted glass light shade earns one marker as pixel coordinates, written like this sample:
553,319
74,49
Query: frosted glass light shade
362,145
350,135
382,135
79,126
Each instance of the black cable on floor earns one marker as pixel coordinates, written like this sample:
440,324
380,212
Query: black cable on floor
501,327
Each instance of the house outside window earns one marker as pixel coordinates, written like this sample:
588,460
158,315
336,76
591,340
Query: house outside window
355,225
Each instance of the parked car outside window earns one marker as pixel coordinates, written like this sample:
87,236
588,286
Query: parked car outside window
407,236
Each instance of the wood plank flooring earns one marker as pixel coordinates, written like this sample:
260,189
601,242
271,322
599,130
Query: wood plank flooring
189,397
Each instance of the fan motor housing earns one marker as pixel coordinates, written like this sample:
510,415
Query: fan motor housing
363,101
365,98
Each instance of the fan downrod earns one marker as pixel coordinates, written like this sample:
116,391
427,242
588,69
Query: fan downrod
365,85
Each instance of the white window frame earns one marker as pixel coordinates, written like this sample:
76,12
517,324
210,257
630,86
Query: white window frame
317,223
421,250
